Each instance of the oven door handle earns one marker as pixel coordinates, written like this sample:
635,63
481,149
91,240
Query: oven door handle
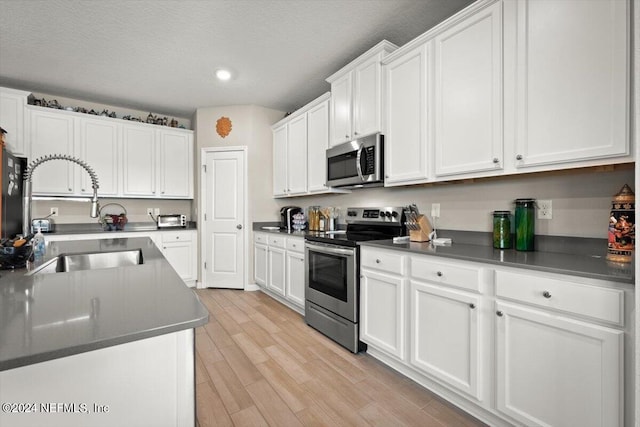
358,159
330,250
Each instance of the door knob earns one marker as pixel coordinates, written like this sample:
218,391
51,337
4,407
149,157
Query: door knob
239,226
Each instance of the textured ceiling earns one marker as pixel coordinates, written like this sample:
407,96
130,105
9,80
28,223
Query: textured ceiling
161,55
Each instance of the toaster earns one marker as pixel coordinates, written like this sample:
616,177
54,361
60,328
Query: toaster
44,224
172,221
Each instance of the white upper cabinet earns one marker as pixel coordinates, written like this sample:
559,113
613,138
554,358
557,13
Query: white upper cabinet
356,96
280,160
13,119
139,160
406,139
52,133
297,155
317,144
176,164
100,147
468,94
572,80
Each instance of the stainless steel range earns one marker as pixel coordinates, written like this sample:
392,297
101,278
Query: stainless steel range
332,277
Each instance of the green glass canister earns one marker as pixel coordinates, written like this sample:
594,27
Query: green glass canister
525,221
501,229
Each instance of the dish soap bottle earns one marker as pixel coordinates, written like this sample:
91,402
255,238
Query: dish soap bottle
38,245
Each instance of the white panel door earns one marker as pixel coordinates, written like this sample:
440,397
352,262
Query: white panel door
260,264
468,94
52,133
176,160
555,371
224,213
12,113
405,145
382,312
366,98
180,255
573,80
341,110
317,144
99,147
139,160
297,156
445,331
276,272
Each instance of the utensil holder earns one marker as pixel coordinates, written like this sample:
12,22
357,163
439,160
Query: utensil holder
423,231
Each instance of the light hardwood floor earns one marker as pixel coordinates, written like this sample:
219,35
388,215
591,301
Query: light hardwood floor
259,364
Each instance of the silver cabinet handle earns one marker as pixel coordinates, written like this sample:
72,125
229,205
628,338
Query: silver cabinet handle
239,226
346,136
496,160
499,313
439,273
472,306
82,190
377,261
70,189
546,294
519,157
355,133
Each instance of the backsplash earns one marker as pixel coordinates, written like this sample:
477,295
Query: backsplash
581,200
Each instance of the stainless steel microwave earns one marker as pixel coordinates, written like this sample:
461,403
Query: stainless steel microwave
356,163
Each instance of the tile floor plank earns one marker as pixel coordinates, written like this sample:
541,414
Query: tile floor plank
209,408
231,391
240,364
273,409
249,417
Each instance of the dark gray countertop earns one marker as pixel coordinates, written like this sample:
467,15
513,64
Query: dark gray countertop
48,316
553,262
94,227
584,257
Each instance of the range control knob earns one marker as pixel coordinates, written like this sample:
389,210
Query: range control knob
381,214
394,214
352,213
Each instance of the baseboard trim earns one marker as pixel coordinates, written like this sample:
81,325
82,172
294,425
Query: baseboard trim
251,287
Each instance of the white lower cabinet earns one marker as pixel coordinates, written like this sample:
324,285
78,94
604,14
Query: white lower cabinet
445,331
557,371
279,267
510,346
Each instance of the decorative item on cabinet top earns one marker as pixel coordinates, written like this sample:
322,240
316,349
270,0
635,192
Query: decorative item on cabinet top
111,222
622,228
223,126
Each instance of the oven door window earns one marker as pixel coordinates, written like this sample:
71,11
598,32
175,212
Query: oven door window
328,274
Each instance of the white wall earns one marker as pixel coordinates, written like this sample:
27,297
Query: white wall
581,200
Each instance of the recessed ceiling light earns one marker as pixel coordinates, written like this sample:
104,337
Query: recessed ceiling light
223,74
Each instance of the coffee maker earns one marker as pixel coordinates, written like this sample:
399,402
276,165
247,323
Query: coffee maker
286,216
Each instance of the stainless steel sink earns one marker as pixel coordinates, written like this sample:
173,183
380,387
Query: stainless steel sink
91,261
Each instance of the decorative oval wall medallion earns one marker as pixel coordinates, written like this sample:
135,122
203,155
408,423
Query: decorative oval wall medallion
223,126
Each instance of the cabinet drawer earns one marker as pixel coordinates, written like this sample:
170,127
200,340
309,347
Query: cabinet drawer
277,241
454,274
260,238
385,261
176,236
295,244
586,300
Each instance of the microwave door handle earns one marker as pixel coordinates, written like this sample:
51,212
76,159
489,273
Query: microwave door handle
358,164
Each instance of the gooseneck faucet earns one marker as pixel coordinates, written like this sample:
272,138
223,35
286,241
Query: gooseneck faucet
26,198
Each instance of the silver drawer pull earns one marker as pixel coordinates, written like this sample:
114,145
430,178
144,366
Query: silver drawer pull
499,313
472,305
546,294
377,261
439,273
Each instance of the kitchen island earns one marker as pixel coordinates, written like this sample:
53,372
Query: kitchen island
80,347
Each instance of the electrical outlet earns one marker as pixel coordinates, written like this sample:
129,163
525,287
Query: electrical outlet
156,211
435,210
545,209
149,211
53,212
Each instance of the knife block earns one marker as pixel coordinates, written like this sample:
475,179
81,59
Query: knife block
423,231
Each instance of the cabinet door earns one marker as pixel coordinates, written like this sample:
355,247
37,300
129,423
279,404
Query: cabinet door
176,164
52,133
406,140
382,312
260,264
445,331
367,104
295,278
12,107
139,160
468,94
341,110
317,144
297,156
280,161
181,256
276,271
572,81
99,147
557,371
